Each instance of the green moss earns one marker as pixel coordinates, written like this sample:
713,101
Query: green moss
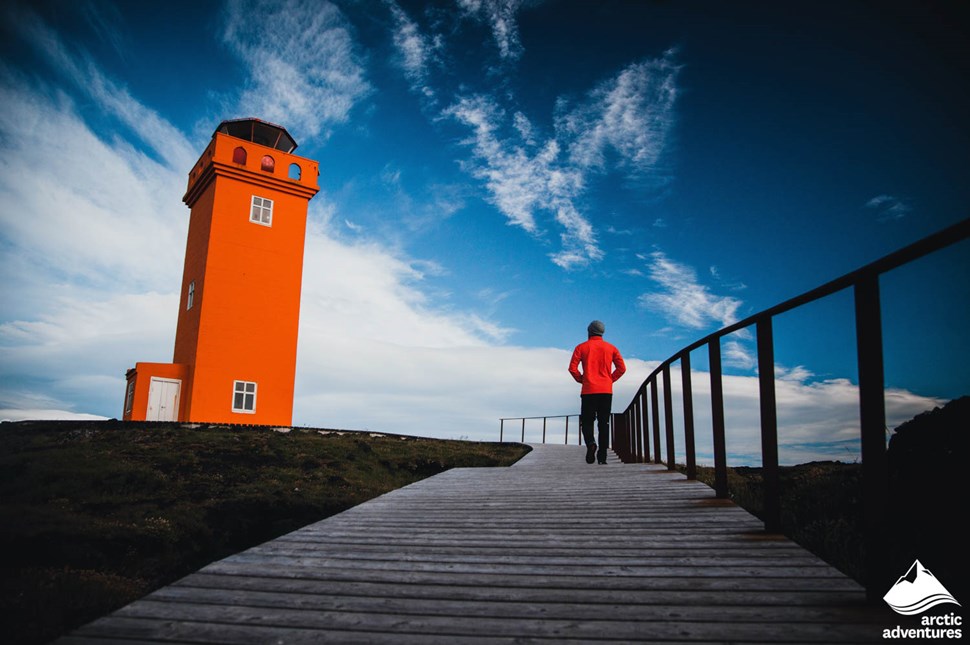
97,514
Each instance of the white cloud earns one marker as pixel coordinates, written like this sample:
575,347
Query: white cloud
416,51
523,179
301,61
631,114
49,415
93,212
72,353
798,374
889,208
500,17
153,132
736,354
683,300
363,291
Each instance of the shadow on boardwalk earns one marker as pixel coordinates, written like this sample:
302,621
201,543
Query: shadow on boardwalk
549,549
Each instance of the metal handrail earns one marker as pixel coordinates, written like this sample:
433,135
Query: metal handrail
631,428
501,430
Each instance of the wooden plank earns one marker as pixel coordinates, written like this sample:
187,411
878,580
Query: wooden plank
393,602
579,596
681,579
377,621
523,554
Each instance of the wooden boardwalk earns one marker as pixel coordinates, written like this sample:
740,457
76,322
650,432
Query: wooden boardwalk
551,549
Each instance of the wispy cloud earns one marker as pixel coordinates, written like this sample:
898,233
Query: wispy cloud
523,179
631,114
500,16
682,299
154,133
889,208
416,51
100,212
734,353
529,177
301,62
732,285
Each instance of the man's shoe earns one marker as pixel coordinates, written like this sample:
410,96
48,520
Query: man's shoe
590,453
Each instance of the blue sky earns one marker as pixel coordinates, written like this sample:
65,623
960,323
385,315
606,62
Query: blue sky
494,175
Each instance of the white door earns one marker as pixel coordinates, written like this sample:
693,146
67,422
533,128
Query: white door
163,399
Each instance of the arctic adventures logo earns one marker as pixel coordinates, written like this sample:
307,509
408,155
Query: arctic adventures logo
916,592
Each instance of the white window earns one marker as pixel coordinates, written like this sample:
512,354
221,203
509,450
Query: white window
262,211
190,300
129,395
244,397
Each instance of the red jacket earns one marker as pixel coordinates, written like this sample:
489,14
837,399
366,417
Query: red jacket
598,358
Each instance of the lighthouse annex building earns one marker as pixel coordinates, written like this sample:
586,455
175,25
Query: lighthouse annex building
238,320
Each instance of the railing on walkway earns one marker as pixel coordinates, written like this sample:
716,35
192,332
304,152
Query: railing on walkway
567,417
632,427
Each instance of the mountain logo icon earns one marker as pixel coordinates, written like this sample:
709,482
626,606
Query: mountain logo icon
917,591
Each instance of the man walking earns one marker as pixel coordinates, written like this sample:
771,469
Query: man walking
602,366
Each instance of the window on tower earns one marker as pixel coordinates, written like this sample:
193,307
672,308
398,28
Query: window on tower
295,171
268,164
244,397
261,211
129,396
190,299
239,155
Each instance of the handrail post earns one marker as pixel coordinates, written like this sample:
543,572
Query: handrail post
631,434
669,418
630,416
655,418
717,419
688,416
611,436
544,429
567,430
872,419
769,425
501,430
523,429
636,440
638,428
644,426
621,440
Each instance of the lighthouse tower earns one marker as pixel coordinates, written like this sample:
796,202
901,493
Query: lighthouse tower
235,345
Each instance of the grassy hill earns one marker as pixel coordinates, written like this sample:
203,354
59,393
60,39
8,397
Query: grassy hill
94,515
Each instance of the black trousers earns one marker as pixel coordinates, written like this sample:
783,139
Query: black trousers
596,409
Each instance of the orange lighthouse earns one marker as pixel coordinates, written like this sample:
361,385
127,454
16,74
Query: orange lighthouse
235,345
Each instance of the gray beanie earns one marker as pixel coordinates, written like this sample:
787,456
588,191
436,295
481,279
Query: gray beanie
596,328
